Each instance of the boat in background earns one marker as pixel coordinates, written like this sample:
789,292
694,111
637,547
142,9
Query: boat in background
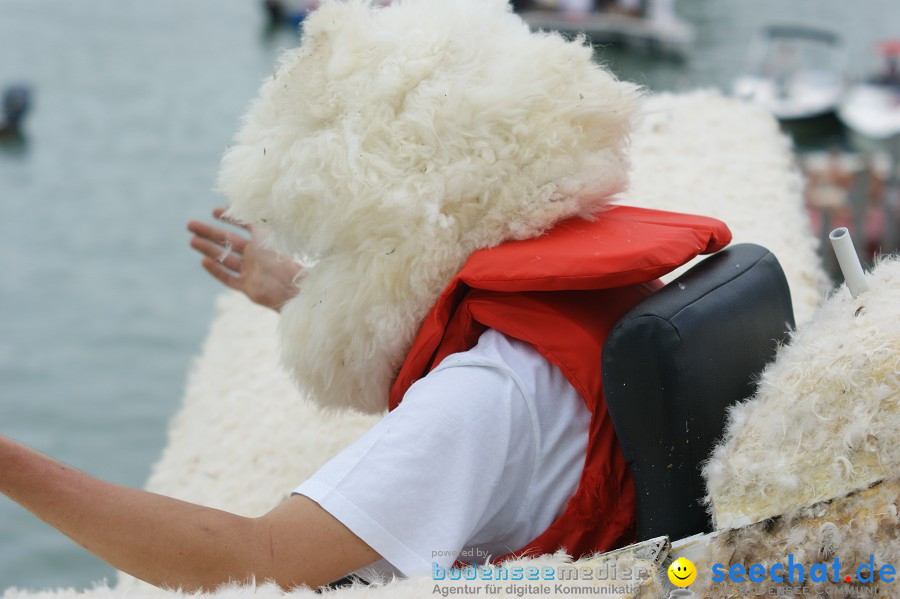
292,12
649,25
871,112
795,72
288,12
871,108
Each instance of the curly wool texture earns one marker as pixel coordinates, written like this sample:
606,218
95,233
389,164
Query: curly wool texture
393,143
825,420
849,529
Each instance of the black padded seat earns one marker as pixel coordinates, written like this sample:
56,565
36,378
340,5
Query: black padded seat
675,363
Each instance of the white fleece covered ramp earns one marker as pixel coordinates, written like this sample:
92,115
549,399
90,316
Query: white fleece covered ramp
244,436
808,468
825,420
702,153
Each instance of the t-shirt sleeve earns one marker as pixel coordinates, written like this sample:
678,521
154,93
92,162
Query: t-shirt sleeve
457,454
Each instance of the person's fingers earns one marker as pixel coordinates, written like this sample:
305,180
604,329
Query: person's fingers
216,235
219,214
219,273
218,253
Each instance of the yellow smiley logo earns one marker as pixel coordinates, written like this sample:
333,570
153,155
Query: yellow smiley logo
682,572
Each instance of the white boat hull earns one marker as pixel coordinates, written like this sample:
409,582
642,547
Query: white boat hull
802,97
668,36
872,111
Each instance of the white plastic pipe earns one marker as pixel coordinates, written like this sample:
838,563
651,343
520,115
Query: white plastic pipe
848,261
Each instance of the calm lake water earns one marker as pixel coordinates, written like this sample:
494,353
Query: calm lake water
102,304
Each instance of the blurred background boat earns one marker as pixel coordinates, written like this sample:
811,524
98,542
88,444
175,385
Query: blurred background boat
291,12
16,103
650,25
288,12
871,112
871,108
795,72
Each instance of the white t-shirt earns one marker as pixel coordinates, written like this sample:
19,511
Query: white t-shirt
480,458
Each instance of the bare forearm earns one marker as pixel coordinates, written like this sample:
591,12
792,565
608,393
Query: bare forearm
159,539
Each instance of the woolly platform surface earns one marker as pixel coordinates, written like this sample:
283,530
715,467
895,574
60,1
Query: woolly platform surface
245,437
851,528
705,154
825,420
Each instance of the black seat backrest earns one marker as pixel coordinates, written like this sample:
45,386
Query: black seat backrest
675,363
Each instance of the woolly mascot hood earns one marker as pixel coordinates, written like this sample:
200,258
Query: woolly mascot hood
393,143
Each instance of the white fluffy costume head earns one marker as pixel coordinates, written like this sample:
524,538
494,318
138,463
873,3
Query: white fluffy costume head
393,143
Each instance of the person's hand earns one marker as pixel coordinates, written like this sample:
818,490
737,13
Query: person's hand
245,263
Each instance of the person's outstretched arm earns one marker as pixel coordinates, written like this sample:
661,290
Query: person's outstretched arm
172,543
245,263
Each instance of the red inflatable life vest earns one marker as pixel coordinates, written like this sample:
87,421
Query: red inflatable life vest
563,292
